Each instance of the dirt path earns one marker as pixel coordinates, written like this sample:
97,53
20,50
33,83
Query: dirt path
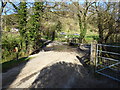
29,72
57,68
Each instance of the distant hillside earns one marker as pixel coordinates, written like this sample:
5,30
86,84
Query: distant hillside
69,22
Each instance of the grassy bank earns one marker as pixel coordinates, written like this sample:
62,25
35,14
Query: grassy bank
13,63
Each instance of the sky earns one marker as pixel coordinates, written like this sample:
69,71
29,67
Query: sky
11,11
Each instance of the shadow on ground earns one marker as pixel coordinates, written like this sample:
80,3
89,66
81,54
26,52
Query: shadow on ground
44,44
10,76
67,75
59,75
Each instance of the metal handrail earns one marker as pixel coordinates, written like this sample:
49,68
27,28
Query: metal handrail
108,76
108,52
107,45
109,58
113,62
107,66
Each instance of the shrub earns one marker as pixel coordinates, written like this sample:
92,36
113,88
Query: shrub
9,42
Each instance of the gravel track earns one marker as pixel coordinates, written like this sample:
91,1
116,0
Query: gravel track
31,69
53,69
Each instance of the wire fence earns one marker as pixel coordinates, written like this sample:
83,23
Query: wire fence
108,61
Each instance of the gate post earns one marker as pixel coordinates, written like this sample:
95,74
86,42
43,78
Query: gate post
93,54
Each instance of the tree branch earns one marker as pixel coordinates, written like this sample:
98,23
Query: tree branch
14,5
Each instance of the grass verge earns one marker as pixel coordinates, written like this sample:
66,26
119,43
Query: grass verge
13,63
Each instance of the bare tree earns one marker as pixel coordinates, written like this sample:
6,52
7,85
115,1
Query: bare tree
82,14
106,20
3,4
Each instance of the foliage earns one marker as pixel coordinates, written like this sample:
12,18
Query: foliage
58,26
34,30
22,12
10,21
45,20
106,19
9,42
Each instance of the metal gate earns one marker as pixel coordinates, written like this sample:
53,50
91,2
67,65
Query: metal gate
108,61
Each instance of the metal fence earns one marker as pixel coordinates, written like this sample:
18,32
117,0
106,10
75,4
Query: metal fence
108,61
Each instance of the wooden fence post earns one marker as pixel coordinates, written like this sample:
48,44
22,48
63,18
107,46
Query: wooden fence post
93,53
93,56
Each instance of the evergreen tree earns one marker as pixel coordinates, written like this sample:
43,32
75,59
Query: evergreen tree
34,24
22,14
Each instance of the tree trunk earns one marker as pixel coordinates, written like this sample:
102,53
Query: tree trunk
100,29
100,35
53,35
108,35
